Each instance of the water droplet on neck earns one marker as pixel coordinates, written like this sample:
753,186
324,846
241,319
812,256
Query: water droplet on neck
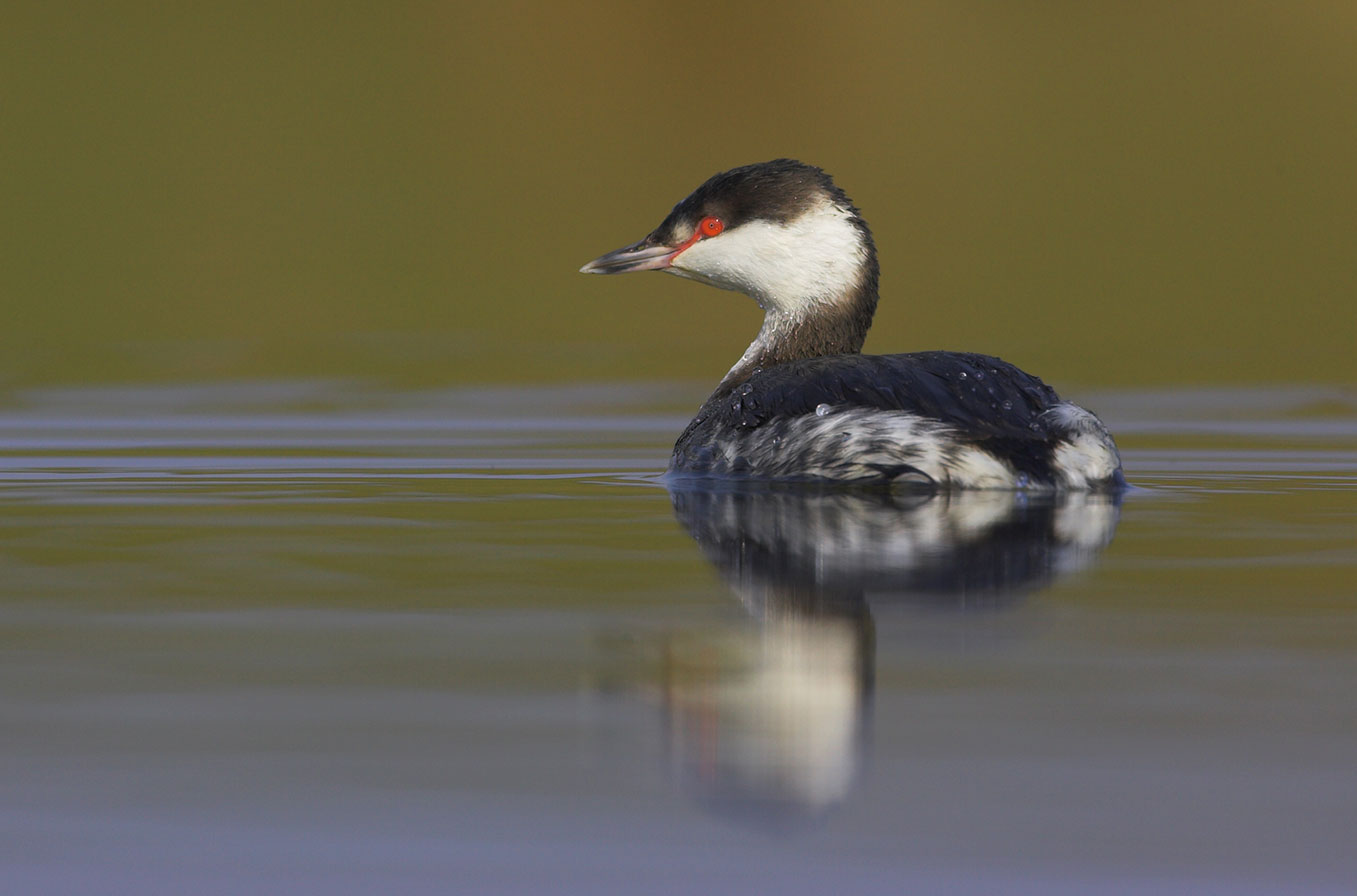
822,410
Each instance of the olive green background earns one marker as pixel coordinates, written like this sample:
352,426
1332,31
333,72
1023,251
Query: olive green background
1108,194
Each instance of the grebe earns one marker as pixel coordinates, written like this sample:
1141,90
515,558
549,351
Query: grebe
803,403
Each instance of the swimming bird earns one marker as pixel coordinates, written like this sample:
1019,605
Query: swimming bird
803,403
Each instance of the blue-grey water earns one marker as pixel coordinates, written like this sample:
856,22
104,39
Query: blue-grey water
320,637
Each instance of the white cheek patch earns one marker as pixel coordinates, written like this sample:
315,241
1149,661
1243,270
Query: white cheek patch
816,259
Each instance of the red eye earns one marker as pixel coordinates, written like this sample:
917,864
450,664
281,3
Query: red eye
711,227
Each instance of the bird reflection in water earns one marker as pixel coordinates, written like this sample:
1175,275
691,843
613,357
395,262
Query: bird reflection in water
771,725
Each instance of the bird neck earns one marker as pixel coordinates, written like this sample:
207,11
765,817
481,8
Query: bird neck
837,327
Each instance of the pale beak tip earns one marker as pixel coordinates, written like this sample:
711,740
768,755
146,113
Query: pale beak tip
636,257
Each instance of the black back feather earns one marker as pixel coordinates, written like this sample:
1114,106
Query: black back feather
984,400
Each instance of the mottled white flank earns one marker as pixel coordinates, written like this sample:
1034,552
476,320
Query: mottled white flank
863,443
1085,454
857,443
814,260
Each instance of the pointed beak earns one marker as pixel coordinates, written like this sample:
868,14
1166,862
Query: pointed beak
642,256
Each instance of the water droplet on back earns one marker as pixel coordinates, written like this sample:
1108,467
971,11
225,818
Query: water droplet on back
822,410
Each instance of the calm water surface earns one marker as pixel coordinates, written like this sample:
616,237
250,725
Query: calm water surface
314,637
